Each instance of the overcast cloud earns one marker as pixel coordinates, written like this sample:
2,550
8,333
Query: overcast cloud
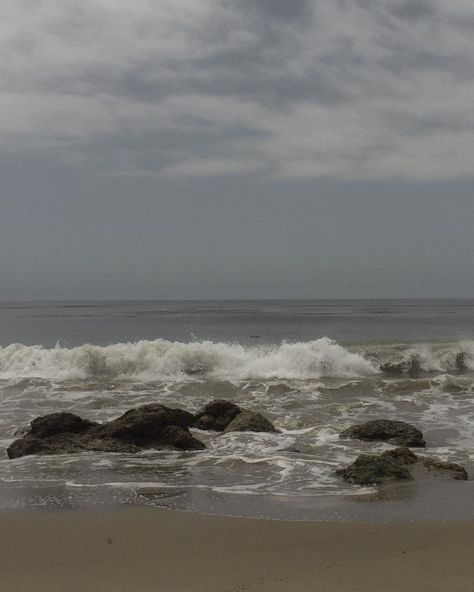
236,148
354,89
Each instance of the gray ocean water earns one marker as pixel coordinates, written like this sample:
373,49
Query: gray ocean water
313,367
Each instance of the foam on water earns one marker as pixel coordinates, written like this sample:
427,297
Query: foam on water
161,359
172,360
311,390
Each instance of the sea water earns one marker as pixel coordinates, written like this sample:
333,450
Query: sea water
312,367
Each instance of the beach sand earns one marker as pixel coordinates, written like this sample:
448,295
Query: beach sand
145,550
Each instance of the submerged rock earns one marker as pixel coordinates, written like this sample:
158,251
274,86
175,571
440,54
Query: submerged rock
250,421
453,470
216,415
400,464
386,430
150,426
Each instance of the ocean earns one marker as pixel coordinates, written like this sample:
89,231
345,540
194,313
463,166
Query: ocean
312,367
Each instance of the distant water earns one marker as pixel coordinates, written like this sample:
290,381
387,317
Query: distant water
245,322
313,367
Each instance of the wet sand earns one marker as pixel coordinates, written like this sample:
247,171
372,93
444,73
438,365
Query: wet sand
150,550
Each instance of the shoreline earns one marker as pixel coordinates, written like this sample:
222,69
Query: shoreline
150,549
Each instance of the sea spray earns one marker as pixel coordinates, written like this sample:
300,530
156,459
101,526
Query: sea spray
172,360
161,359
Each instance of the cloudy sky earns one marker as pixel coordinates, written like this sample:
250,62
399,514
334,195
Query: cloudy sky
236,148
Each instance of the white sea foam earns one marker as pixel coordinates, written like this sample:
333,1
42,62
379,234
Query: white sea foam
169,360
161,359
443,358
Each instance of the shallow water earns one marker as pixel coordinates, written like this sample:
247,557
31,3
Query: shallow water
310,386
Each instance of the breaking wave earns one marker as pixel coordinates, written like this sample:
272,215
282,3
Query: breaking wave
168,360
161,359
428,358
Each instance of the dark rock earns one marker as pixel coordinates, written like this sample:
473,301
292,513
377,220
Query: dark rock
216,415
150,426
369,469
66,444
60,423
180,438
403,455
250,421
399,464
452,470
58,444
386,430
167,415
411,367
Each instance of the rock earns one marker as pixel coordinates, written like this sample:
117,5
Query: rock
446,469
59,423
411,367
369,469
224,416
400,464
216,415
180,438
386,430
149,426
66,444
152,426
250,421
403,455
50,445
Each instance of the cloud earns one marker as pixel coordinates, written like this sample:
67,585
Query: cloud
353,89
201,167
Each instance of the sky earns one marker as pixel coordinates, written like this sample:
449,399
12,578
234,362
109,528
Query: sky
236,149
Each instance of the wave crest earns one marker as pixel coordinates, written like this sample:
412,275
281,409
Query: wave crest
171,360
161,359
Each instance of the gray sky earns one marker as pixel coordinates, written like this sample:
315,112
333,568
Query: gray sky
236,148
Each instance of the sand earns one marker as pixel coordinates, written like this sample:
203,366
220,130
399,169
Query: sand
145,550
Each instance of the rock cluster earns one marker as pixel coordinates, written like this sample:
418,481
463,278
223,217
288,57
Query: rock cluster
161,427
149,426
399,464
224,416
